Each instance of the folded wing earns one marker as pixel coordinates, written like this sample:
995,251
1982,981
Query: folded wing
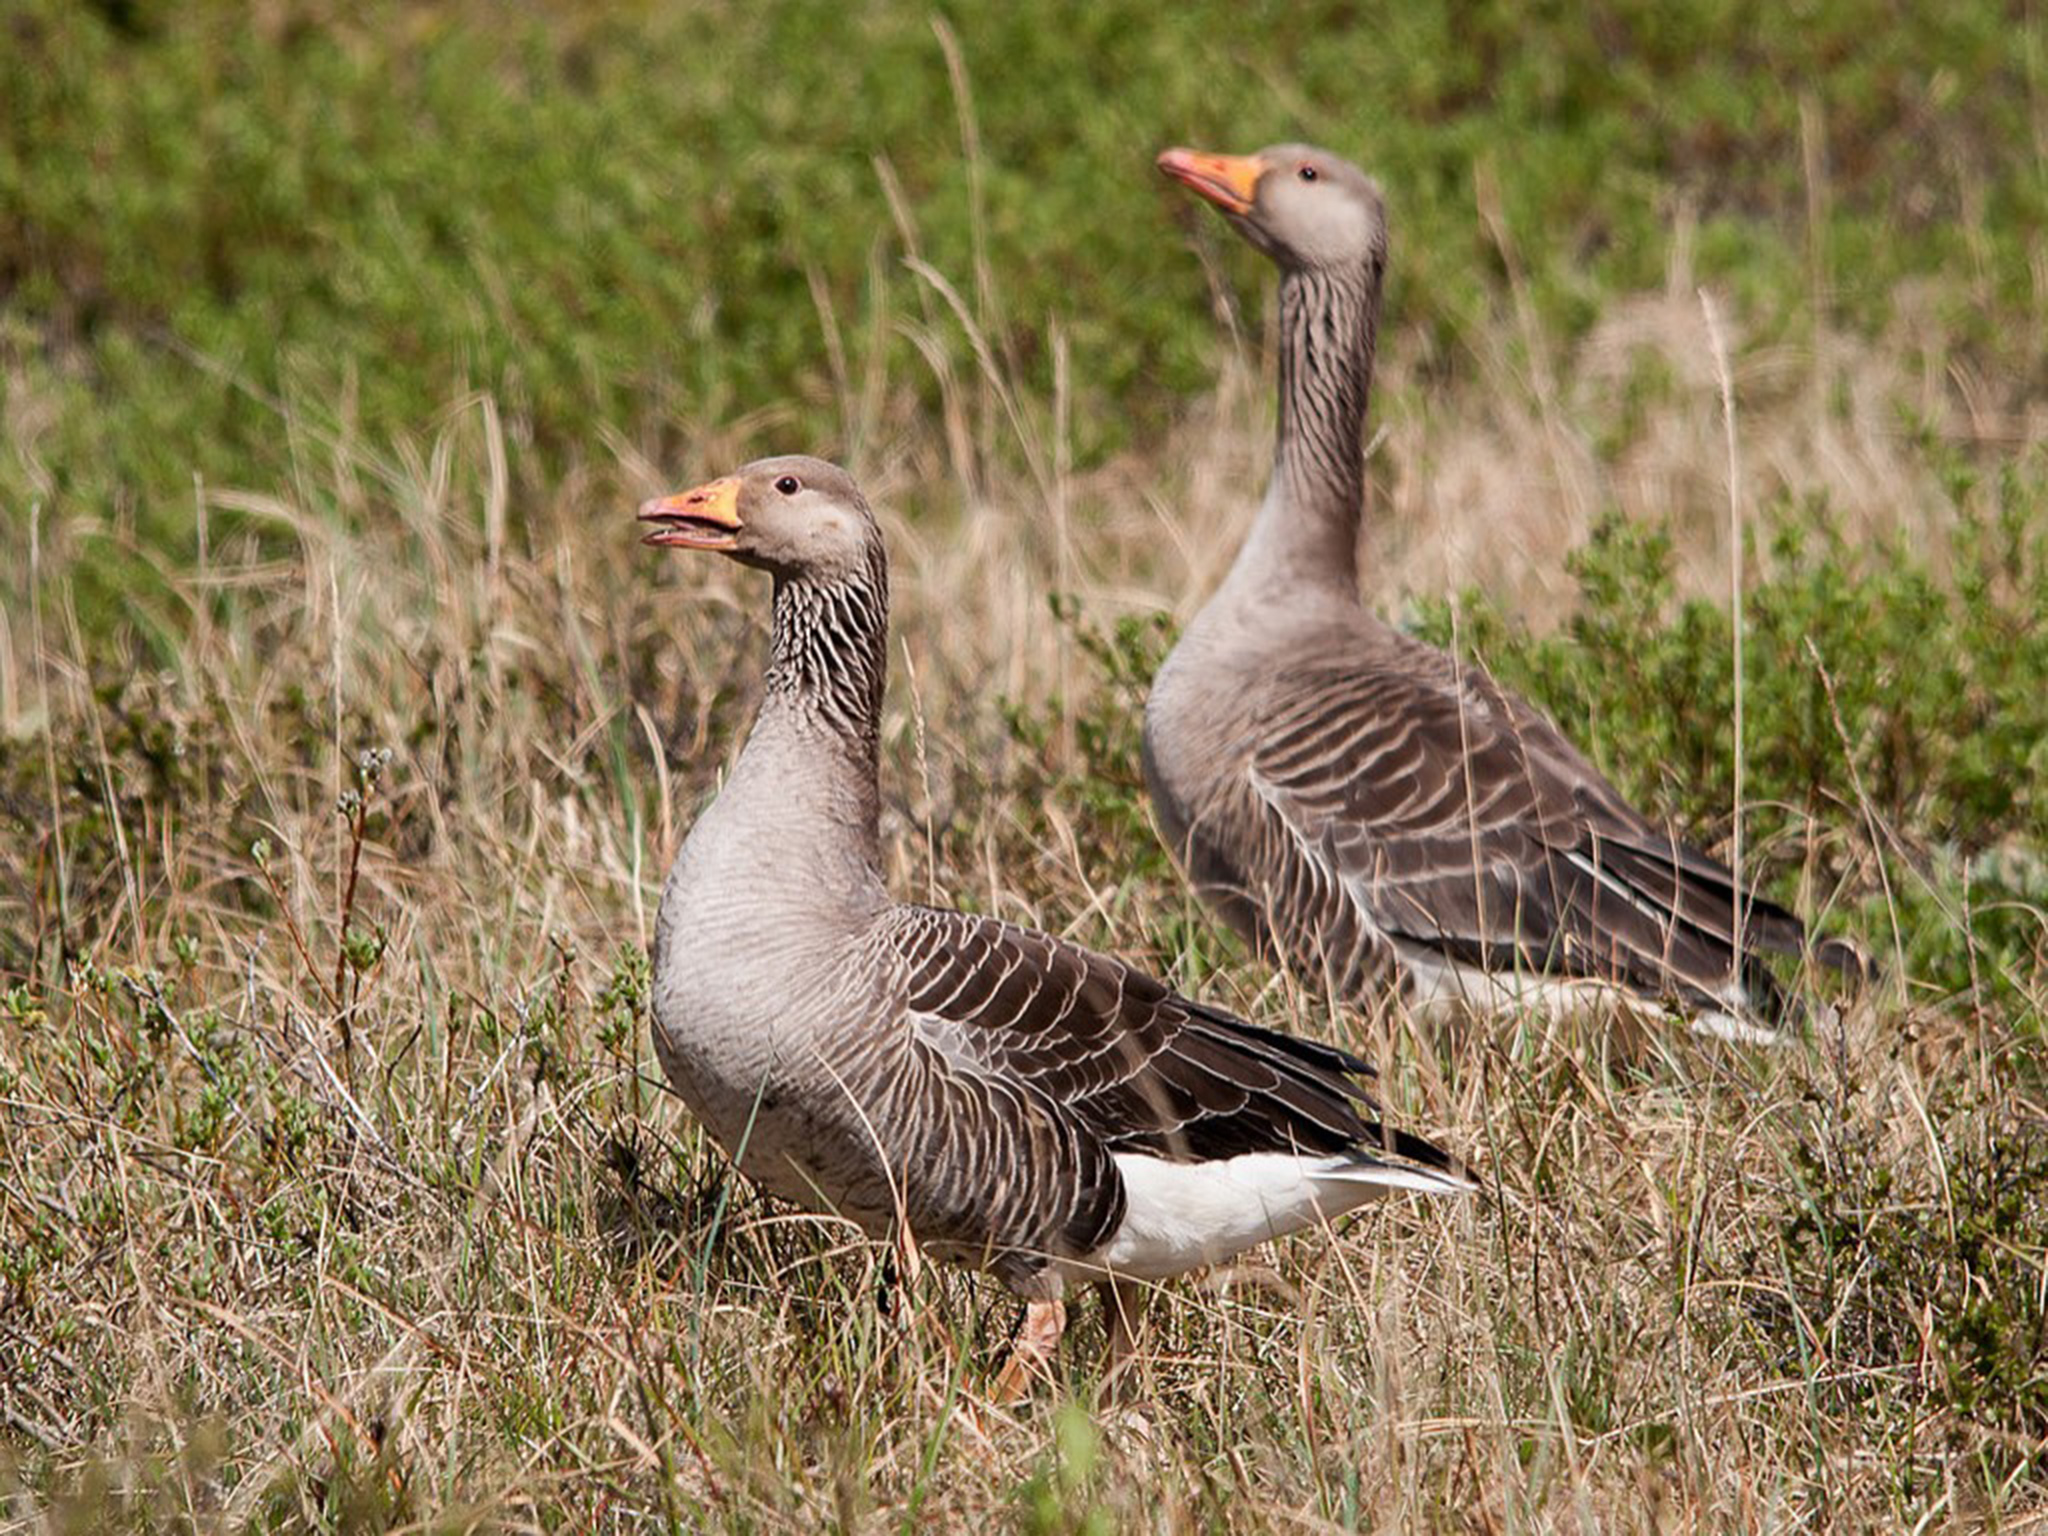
1450,815
1024,1027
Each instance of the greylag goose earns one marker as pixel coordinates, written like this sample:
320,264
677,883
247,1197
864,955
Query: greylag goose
1372,812
1011,1101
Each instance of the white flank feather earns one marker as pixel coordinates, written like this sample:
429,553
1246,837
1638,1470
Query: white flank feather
1184,1215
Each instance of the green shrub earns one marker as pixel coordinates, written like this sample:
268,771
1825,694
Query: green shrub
1935,1287
624,219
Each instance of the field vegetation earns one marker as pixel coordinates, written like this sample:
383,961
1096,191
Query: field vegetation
346,733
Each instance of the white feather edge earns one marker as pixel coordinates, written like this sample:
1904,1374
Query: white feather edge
1441,985
1181,1216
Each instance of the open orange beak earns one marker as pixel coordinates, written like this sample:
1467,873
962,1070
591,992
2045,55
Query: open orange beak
1231,182
705,518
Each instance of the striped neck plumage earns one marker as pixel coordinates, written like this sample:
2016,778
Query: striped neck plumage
829,656
828,665
1307,532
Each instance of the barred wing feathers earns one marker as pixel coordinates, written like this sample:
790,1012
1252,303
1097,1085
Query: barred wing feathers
1025,1026
1458,818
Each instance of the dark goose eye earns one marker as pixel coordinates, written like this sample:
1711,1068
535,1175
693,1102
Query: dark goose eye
1307,173
789,485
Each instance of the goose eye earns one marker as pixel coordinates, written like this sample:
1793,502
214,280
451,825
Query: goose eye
1307,173
789,485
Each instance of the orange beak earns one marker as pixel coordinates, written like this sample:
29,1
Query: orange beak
705,518
1231,182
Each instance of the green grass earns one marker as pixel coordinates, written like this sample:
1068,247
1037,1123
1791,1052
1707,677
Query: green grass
346,732
651,220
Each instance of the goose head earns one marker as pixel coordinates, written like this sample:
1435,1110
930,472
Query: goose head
1302,206
797,517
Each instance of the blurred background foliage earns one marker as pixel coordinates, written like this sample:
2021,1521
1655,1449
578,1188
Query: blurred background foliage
335,340
624,219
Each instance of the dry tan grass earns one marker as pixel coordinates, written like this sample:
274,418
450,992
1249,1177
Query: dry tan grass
478,1270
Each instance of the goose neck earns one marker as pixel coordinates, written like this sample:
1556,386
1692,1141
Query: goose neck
822,705
1307,530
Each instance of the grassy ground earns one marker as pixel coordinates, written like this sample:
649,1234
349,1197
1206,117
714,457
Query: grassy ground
337,1185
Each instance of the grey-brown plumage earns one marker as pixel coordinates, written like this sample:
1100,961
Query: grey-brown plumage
1367,808
1013,1101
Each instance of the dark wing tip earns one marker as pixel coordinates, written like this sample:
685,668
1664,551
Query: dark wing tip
1419,1150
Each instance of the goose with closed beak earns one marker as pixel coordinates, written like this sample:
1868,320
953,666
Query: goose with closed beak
1011,1101
1379,815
